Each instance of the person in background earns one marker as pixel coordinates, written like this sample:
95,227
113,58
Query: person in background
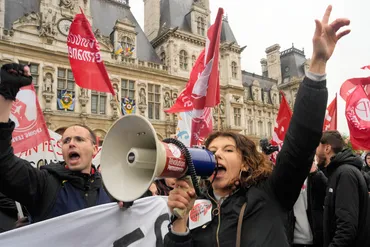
306,218
346,207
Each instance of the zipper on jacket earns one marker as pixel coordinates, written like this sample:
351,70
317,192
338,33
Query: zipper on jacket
218,215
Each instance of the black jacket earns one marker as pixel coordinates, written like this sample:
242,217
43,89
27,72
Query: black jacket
346,212
269,201
316,188
52,191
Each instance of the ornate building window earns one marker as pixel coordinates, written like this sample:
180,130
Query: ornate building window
127,88
260,128
201,26
98,102
154,101
250,127
163,58
237,117
269,127
34,69
183,60
66,87
234,70
126,42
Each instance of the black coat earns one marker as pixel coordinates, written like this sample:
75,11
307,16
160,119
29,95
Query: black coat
269,201
52,191
346,213
316,188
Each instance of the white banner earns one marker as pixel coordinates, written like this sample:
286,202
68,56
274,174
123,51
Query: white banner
143,224
49,152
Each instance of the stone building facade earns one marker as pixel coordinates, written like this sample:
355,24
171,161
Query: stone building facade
35,32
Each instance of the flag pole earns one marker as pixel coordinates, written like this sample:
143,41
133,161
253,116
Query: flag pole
218,118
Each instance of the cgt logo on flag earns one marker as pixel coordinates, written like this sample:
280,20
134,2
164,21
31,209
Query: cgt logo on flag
358,118
30,129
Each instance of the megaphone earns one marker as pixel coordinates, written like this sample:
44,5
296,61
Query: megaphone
132,157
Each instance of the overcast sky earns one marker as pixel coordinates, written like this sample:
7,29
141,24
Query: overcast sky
259,24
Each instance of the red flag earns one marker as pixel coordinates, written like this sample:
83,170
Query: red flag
330,121
206,90
30,127
350,85
84,56
358,118
184,101
282,124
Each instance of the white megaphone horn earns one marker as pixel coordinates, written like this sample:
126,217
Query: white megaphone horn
132,157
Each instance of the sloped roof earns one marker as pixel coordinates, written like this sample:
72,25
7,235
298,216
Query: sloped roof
227,34
292,63
173,14
106,12
264,82
15,9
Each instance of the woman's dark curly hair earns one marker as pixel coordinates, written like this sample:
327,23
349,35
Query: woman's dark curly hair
257,167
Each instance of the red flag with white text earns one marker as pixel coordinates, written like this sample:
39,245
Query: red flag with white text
282,124
85,58
30,127
358,118
206,90
330,121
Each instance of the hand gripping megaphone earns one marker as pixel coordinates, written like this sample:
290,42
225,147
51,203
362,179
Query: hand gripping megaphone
132,157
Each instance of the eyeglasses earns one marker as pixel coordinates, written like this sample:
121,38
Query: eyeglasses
78,139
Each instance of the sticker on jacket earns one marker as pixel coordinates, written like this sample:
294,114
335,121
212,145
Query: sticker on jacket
200,214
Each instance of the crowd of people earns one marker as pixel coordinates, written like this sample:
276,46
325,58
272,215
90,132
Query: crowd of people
316,194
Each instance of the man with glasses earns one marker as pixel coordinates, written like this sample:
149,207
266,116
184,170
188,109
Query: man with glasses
55,189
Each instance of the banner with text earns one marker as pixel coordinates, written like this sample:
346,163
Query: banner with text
143,224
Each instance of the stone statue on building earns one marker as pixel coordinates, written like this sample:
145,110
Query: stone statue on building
32,17
69,4
222,108
48,23
48,83
115,97
142,97
174,98
83,93
167,100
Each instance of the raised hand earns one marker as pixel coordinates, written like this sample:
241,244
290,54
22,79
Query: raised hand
13,77
326,36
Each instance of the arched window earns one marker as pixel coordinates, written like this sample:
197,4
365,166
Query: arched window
234,70
201,26
183,60
163,58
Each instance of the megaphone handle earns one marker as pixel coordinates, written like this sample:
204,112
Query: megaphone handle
181,213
